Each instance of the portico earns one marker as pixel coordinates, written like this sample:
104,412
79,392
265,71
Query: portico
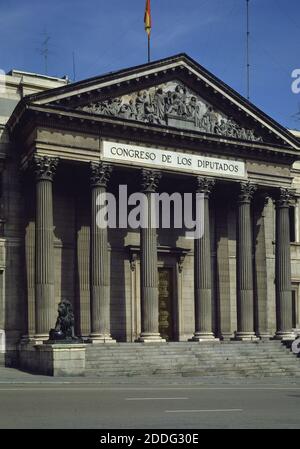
101,177
79,143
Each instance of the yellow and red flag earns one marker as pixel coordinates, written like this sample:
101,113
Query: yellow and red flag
148,20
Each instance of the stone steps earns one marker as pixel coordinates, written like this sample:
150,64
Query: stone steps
188,350
187,359
198,357
187,370
196,360
208,366
183,347
204,374
186,354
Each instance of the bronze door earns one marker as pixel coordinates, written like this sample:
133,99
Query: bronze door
165,299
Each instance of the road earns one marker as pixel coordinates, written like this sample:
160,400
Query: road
43,404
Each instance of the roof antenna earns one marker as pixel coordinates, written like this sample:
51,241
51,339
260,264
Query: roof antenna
74,66
248,53
44,50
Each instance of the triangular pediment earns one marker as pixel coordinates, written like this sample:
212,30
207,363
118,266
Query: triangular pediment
175,92
172,104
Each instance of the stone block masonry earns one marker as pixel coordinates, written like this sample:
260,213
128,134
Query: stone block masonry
62,360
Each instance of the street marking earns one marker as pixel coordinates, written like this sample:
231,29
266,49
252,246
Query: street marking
205,411
53,387
154,399
95,387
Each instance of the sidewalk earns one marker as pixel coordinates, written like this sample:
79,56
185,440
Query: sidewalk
14,376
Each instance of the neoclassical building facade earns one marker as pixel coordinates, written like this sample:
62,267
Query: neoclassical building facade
168,126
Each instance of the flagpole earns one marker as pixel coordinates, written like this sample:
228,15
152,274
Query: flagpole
149,48
148,26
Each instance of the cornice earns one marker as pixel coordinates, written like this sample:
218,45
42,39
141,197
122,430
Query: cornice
103,126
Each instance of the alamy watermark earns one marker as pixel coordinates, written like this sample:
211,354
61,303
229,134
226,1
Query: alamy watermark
296,82
152,210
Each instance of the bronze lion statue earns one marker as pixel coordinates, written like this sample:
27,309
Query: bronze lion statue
64,327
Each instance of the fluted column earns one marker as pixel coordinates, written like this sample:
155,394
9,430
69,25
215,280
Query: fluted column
45,168
260,267
202,279
83,284
283,267
224,298
149,269
100,274
245,296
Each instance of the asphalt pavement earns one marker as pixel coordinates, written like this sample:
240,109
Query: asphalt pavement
38,402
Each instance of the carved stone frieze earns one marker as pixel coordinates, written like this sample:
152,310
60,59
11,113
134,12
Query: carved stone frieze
172,104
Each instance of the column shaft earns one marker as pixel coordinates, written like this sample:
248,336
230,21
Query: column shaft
283,267
45,168
203,297
83,302
223,268
245,297
100,275
149,270
260,270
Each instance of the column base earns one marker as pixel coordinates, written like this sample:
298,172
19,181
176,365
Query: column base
96,339
203,337
25,339
226,336
284,336
265,336
296,332
245,336
39,339
150,338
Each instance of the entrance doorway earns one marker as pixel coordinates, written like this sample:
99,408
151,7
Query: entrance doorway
165,299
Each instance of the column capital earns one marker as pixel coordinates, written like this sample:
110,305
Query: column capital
150,180
44,167
284,197
247,191
100,173
205,185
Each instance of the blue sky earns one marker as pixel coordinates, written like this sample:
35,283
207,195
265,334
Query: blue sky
107,35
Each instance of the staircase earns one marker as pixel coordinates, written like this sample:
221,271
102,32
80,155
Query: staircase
187,359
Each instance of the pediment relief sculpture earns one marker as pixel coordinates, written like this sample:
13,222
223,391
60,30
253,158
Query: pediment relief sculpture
172,104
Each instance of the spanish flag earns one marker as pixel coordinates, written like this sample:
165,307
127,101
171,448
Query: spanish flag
147,20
